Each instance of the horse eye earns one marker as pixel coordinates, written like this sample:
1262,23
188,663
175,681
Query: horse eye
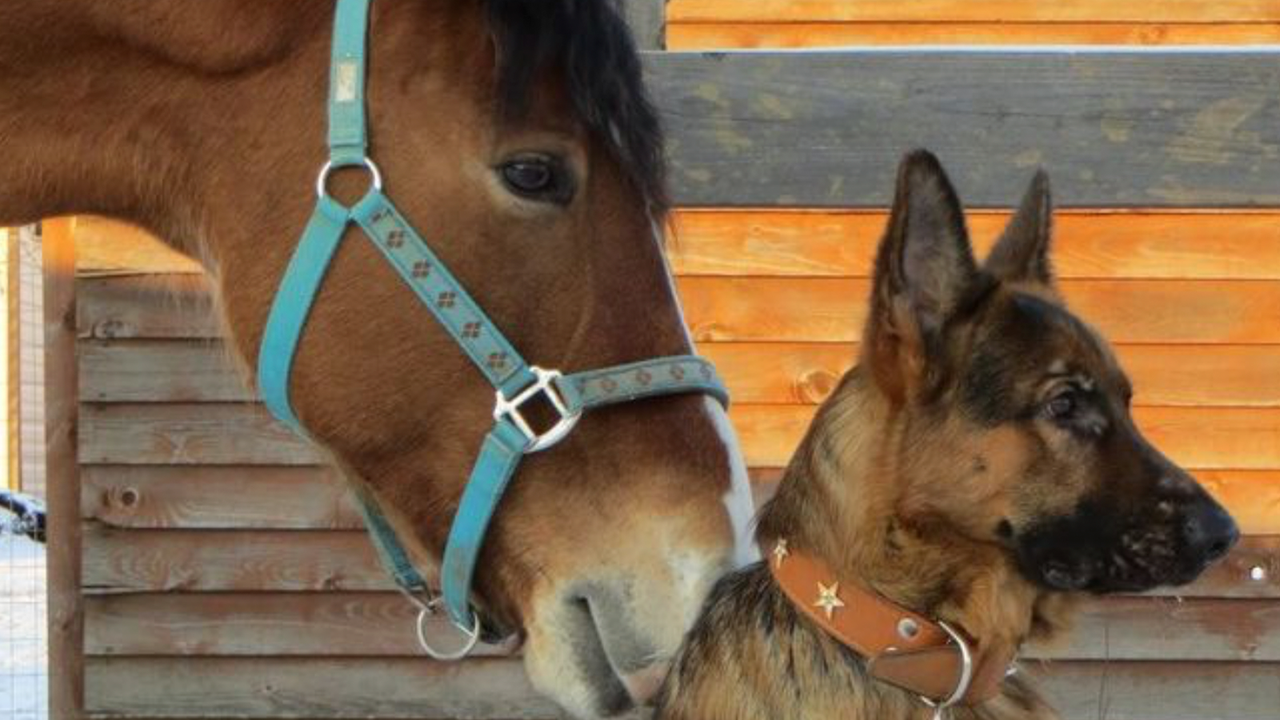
543,179
1060,406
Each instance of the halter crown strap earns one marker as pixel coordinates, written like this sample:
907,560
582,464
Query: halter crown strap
515,380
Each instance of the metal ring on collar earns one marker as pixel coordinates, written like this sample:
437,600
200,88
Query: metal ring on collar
322,179
966,673
472,635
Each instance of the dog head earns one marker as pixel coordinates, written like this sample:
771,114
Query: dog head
1014,414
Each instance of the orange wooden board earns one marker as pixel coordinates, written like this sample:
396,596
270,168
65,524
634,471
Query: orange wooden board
1163,375
1125,244
752,35
1131,311
1007,11
1200,438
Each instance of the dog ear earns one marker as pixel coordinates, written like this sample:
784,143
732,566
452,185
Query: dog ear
1022,252
924,271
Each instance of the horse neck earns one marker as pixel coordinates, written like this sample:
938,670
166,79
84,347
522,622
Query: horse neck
121,109
840,499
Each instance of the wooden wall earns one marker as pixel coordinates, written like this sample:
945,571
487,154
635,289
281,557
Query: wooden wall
225,573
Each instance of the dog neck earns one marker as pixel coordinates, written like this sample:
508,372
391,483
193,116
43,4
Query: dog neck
841,500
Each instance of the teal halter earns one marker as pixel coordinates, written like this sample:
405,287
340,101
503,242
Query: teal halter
515,380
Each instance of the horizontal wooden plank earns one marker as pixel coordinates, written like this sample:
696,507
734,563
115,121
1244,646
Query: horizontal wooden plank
1160,690
1163,375
212,497
756,373
176,434
243,434
753,35
310,688
211,560
783,309
117,561
316,498
1227,245
496,688
381,624
1097,11
1115,128
331,624
1196,438
1126,311
146,306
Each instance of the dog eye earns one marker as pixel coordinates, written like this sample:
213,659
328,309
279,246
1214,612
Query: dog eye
540,178
1060,406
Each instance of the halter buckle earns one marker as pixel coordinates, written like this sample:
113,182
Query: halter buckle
966,675
543,384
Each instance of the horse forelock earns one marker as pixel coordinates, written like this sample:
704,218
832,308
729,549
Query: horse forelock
589,44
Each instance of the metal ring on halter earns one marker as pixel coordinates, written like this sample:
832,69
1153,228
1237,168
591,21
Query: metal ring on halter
322,179
966,674
472,635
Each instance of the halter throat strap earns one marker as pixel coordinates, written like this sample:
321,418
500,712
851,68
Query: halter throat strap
937,662
515,381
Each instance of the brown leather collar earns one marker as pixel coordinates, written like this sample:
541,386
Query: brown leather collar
902,648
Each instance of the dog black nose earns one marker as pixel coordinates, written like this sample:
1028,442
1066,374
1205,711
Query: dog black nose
1209,531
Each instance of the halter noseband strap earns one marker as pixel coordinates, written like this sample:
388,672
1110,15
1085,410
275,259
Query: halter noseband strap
515,380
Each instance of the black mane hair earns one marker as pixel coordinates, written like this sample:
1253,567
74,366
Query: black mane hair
589,42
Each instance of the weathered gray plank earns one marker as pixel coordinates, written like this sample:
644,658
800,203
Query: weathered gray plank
152,306
300,688
176,434
119,560
381,624
648,22
1162,690
497,688
218,497
1113,128
160,370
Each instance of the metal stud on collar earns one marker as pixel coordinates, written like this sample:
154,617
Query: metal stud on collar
962,685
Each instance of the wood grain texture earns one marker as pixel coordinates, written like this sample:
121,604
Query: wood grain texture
244,434
1101,245
1196,438
763,35
777,309
111,247
62,474
1091,11
756,373
321,688
201,434
1163,375
381,625
1126,311
213,497
496,688
332,624
1116,128
195,561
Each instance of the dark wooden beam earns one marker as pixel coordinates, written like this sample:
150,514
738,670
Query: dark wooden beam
1165,128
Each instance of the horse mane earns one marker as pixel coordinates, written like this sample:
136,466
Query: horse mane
589,41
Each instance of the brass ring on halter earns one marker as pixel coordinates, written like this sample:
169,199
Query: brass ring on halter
322,179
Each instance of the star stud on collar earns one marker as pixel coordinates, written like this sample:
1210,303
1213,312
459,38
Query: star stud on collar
780,551
829,598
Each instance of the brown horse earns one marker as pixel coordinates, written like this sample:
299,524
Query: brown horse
516,135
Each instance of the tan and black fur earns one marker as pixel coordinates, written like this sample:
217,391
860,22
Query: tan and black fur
979,466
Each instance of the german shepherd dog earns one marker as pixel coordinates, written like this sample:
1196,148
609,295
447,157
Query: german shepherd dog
978,469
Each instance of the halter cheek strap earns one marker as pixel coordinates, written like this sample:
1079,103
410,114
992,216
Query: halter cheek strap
515,381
